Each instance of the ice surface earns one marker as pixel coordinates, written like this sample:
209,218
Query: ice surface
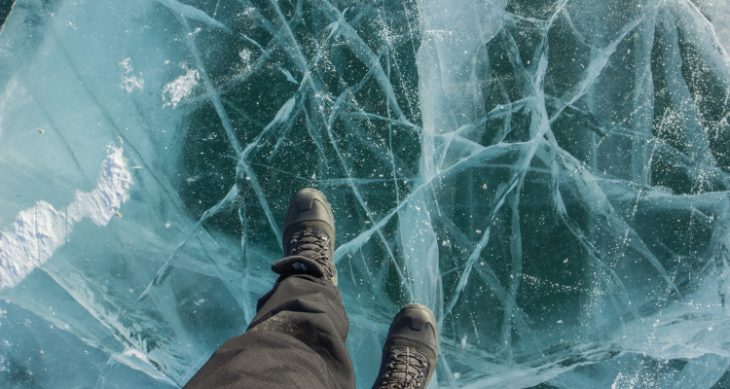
551,177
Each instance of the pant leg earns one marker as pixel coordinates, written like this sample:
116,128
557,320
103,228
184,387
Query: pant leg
296,340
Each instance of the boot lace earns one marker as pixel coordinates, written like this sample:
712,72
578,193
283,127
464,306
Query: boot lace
312,245
405,369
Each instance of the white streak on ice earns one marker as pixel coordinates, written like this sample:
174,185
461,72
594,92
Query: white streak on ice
284,112
137,360
12,93
39,231
192,13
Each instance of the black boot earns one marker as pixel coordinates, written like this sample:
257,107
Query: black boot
411,349
309,237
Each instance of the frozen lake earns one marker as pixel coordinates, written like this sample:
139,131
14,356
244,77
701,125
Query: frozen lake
551,177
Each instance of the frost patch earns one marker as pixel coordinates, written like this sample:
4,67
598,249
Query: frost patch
180,88
39,231
130,81
245,55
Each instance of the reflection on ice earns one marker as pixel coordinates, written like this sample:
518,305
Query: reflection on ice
550,176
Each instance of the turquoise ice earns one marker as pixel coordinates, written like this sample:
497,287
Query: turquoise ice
552,177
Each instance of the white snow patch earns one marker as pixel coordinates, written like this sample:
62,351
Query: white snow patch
180,88
39,231
130,81
245,55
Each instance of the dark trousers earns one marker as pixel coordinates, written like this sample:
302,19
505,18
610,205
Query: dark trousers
296,340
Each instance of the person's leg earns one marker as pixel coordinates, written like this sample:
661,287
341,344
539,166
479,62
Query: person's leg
411,350
297,339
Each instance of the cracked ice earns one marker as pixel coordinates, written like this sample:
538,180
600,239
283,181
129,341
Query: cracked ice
551,177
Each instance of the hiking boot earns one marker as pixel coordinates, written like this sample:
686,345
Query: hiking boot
309,237
410,351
